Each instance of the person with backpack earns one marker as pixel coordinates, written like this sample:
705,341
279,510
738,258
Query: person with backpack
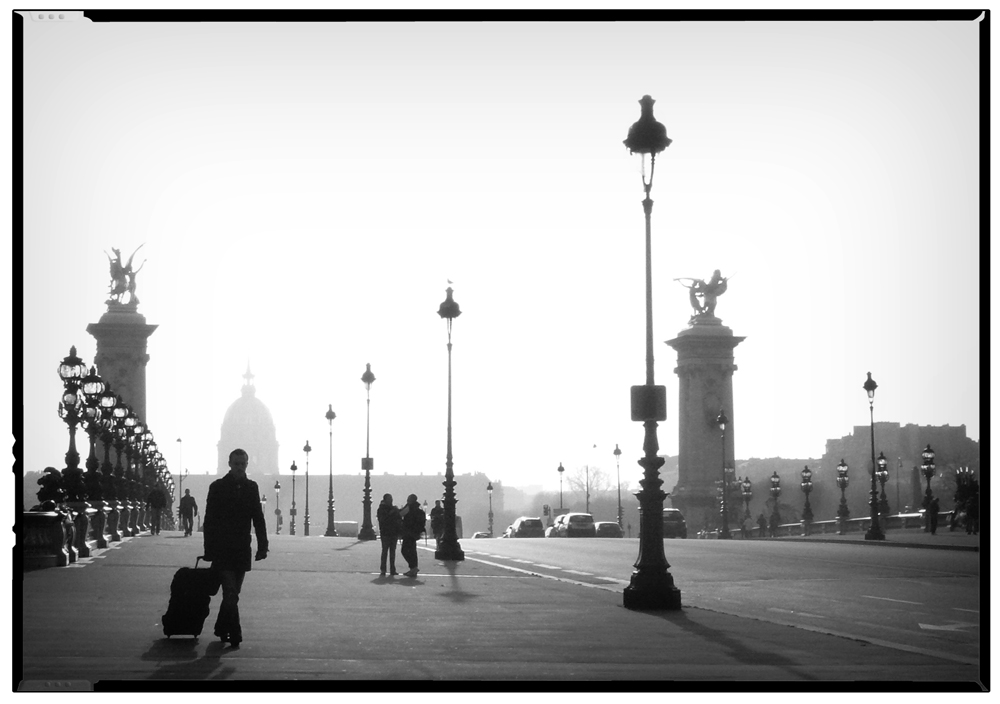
390,524
414,523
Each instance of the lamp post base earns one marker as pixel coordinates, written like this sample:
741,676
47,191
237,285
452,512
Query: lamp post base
651,592
367,533
874,534
449,550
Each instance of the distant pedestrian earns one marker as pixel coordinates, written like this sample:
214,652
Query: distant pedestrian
232,507
156,501
437,522
389,526
761,525
932,511
188,510
414,522
774,525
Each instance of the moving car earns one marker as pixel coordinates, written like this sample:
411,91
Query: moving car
608,529
674,525
481,534
574,525
525,527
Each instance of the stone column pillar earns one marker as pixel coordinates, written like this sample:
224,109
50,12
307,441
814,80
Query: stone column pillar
121,353
705,369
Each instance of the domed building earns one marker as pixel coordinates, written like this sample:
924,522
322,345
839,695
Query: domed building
248,424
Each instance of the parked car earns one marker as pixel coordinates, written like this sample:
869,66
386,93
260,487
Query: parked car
525,527
574,525
608,529
480,534
674,525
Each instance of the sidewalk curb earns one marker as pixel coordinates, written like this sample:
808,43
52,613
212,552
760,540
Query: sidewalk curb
967,548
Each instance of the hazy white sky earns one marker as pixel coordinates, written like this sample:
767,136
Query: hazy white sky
304,192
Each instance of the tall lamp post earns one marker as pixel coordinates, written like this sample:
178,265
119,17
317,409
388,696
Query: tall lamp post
807,512
263,508
746,487
775,492
291,527
449,548
367,531
651,585
721,420
305,523
883,475
277,507
927,457
489,493
560,469
331,527
843,513
618,474
875,530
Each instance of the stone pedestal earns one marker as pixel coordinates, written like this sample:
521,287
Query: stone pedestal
99,523
705,369
83,514
121,357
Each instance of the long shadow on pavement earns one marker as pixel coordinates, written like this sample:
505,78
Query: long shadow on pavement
182,661
735,647
456,593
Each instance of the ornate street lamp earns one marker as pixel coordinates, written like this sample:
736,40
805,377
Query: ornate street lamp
449,548
489,493
72,371
775,492
721,420
883,475
927,456
305,524
652,585
560,469
807,512
618,474
331,527
875,530
291,528
367,531
93,390
843,513
747,489
277,507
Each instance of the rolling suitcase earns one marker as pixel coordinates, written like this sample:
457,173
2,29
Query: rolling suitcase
191,592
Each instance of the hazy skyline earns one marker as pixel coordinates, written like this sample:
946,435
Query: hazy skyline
303,192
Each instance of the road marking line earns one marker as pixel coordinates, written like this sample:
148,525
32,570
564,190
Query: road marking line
548,567
603,587
527,562
585,574
952,627
971,611
898,601
797,613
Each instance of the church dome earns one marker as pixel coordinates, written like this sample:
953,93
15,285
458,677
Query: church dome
248,425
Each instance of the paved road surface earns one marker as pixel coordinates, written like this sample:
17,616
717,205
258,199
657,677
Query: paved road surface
317,609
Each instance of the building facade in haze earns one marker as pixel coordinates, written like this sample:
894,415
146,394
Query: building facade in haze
248,424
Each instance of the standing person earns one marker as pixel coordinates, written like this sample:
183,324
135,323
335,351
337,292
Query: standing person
761,525
233,504
414,520
188,510
774,525
437,522
932,511
156,501
389,525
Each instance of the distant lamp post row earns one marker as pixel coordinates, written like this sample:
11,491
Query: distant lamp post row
746,488
927,467
117,493
721,420
775,493
875,530
489,494
843,513
807,513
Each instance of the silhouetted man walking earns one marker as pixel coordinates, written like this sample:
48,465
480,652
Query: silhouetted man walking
233,504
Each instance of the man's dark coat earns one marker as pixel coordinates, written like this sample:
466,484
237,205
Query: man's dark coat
230,510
